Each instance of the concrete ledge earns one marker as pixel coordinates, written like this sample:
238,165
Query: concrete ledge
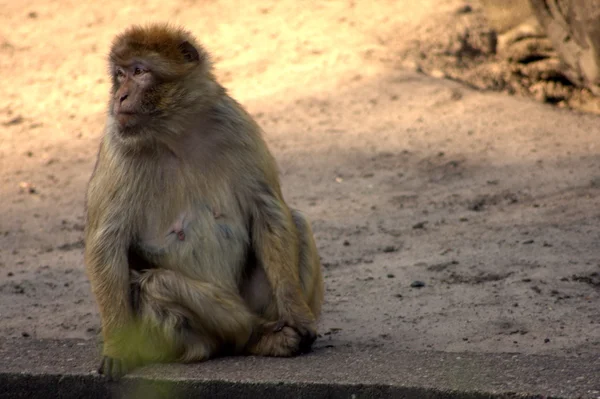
64,369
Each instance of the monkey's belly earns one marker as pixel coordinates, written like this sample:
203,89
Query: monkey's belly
200,247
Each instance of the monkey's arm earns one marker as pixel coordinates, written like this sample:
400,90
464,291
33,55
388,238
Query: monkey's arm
108,269
275,242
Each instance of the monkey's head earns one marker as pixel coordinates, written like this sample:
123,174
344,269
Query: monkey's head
158,73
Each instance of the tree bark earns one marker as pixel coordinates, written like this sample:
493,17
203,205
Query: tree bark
573,26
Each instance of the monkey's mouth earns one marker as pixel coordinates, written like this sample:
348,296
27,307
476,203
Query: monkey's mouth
126,113
126,118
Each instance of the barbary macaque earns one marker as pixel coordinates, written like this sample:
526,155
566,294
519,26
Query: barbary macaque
190,247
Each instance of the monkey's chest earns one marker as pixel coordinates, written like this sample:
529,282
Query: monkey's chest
194,240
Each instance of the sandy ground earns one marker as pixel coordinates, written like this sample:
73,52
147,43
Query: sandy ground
447,218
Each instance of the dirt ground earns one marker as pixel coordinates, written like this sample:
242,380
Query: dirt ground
447,217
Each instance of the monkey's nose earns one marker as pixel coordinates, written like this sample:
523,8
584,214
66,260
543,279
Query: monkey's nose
123,98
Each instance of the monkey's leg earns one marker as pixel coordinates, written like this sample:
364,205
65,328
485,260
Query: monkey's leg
309,264
276,242
309,268
186,320
311,281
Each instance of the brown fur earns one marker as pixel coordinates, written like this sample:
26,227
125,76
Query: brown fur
190,248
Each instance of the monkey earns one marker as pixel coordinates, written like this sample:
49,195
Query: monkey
190,248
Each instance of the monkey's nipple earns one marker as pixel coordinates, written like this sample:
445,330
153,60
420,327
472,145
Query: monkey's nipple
180,235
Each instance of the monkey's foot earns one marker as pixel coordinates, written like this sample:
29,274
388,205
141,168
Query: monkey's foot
277,340
308,335
306,329
113,369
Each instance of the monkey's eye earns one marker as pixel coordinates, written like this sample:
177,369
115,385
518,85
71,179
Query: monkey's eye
119,73
138,71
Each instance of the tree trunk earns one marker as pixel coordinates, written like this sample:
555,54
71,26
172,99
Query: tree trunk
573,26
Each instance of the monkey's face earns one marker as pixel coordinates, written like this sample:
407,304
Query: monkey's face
159,77
132,99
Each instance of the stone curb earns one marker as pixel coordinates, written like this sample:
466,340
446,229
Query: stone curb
64,369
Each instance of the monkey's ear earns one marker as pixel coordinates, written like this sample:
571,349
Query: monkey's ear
189,52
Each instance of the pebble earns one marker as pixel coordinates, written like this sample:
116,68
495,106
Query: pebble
464,9
417,284
420,225
438,74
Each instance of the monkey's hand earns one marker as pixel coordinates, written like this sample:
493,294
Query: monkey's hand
113,369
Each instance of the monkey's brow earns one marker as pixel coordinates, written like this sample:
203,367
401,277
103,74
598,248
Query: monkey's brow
130,62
